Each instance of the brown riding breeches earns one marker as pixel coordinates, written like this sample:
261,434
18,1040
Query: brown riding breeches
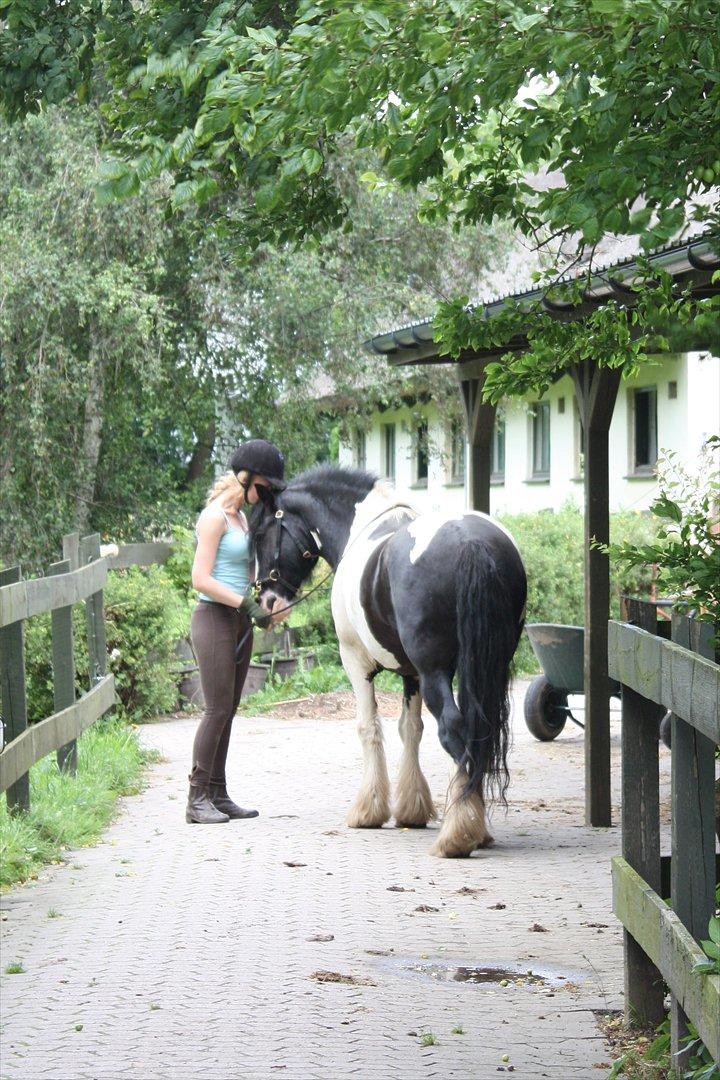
216,631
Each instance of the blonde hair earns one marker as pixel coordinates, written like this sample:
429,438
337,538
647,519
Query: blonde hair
229,482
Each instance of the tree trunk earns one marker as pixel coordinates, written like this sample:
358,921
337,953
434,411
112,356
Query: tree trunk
92,432
201,455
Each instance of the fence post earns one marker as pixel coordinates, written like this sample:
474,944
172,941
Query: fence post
644,988
89,550
71,549
14,696
63,669
693,825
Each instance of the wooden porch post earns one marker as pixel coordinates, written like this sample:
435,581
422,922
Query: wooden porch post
596,389
480,418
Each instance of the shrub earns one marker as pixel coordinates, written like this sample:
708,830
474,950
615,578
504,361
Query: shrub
551,545
144,618
313,618
179,566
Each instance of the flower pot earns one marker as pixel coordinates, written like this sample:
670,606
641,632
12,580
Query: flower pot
190,689
281,666
256,678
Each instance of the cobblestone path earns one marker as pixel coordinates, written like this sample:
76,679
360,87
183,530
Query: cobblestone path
193,952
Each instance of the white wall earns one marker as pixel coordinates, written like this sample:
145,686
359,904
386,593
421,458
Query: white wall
683,424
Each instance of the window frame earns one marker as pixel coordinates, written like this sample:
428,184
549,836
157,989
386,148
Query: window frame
420,435
540,412
360,449
648,467
497,474
389,466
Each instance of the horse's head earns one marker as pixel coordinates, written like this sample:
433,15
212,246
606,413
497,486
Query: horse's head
286,547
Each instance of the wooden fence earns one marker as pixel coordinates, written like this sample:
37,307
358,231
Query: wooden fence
661,941
80,576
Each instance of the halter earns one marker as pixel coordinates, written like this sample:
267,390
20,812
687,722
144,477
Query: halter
274,574
305,550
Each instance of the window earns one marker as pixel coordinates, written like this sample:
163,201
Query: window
360,450
457,453
420,454
497,452
388,449
644,429
541,440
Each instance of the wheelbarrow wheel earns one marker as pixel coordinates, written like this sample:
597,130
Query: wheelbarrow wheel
545,706
666,729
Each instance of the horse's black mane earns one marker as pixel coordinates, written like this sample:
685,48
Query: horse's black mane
327,483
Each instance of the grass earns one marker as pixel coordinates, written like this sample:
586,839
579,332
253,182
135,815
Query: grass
637,1052
14,969
428,1039
66,811
327,676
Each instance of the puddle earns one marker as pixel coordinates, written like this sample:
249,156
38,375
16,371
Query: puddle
515,975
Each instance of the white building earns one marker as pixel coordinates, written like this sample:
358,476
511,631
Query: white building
672,405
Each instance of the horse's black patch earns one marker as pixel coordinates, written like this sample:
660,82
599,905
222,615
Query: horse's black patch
378,608
391,525
411,686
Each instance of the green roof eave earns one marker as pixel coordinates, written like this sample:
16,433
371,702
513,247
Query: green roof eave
695,262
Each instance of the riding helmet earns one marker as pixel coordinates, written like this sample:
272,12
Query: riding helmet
261,458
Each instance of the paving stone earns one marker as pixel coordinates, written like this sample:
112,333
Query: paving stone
194,958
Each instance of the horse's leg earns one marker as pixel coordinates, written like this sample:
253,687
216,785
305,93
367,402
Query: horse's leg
463,828
413,806
371,808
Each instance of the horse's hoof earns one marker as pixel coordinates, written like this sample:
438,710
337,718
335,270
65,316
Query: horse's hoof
364,819
410,824
442,850
487,842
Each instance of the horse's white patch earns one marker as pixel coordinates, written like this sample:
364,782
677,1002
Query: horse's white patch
350,621
424,528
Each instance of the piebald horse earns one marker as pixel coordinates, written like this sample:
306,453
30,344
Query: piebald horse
424,595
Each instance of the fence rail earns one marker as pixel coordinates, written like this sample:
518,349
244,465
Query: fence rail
661,942
79,577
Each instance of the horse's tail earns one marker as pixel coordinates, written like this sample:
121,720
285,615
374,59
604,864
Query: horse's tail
487,633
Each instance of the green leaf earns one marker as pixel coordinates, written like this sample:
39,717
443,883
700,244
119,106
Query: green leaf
312,160
264,36
376,20
183,145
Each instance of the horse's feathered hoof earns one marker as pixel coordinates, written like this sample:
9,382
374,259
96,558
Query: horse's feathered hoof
368,812
414,811
463,829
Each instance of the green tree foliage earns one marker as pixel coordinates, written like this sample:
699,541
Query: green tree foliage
98,390
136,348
575,119
687,547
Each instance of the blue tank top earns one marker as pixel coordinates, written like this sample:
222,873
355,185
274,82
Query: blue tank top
232,562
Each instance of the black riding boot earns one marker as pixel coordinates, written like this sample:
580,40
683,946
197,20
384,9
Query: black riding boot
222,801
200,807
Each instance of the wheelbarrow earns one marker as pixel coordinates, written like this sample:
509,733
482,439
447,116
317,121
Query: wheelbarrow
559,651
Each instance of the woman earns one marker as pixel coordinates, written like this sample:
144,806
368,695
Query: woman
221,624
